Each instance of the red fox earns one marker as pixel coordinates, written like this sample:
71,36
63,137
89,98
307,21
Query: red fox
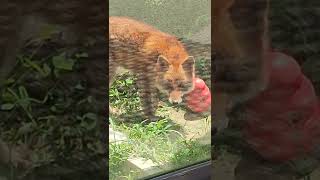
239,32
158,59
240,29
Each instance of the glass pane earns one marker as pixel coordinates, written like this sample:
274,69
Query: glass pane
267,66
53,90
154,47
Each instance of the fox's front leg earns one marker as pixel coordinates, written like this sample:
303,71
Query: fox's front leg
220,110
148,94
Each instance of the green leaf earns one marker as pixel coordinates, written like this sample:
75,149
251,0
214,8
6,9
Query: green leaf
90,100
79,118
129,81
23,92
89,125
6,96
79,87
34,66
60,62
13,93
91,116
53,108
26,128
47,117
82,55
7,106
40,101
10,81
46,69
82,101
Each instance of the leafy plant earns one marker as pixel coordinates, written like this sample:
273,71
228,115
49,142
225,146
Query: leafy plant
54,118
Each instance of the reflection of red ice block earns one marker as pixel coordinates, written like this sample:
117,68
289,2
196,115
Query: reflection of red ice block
283,120
199,100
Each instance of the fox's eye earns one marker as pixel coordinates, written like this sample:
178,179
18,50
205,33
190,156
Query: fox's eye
168,84
184,86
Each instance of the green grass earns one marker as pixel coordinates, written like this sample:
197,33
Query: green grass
123,94
163,141
38,109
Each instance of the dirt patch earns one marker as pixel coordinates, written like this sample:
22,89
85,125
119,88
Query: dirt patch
199,128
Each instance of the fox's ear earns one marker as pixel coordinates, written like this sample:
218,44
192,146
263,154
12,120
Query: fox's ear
188,64
162,63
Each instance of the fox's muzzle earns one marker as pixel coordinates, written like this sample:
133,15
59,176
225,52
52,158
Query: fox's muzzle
175,97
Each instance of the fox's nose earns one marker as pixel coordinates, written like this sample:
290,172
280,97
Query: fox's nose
175,101
175,97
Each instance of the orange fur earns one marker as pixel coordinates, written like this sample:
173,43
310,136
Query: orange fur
240,48
149,39
224,32
156,55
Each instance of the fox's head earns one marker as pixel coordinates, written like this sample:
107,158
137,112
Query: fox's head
239,33
175,72
239,40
